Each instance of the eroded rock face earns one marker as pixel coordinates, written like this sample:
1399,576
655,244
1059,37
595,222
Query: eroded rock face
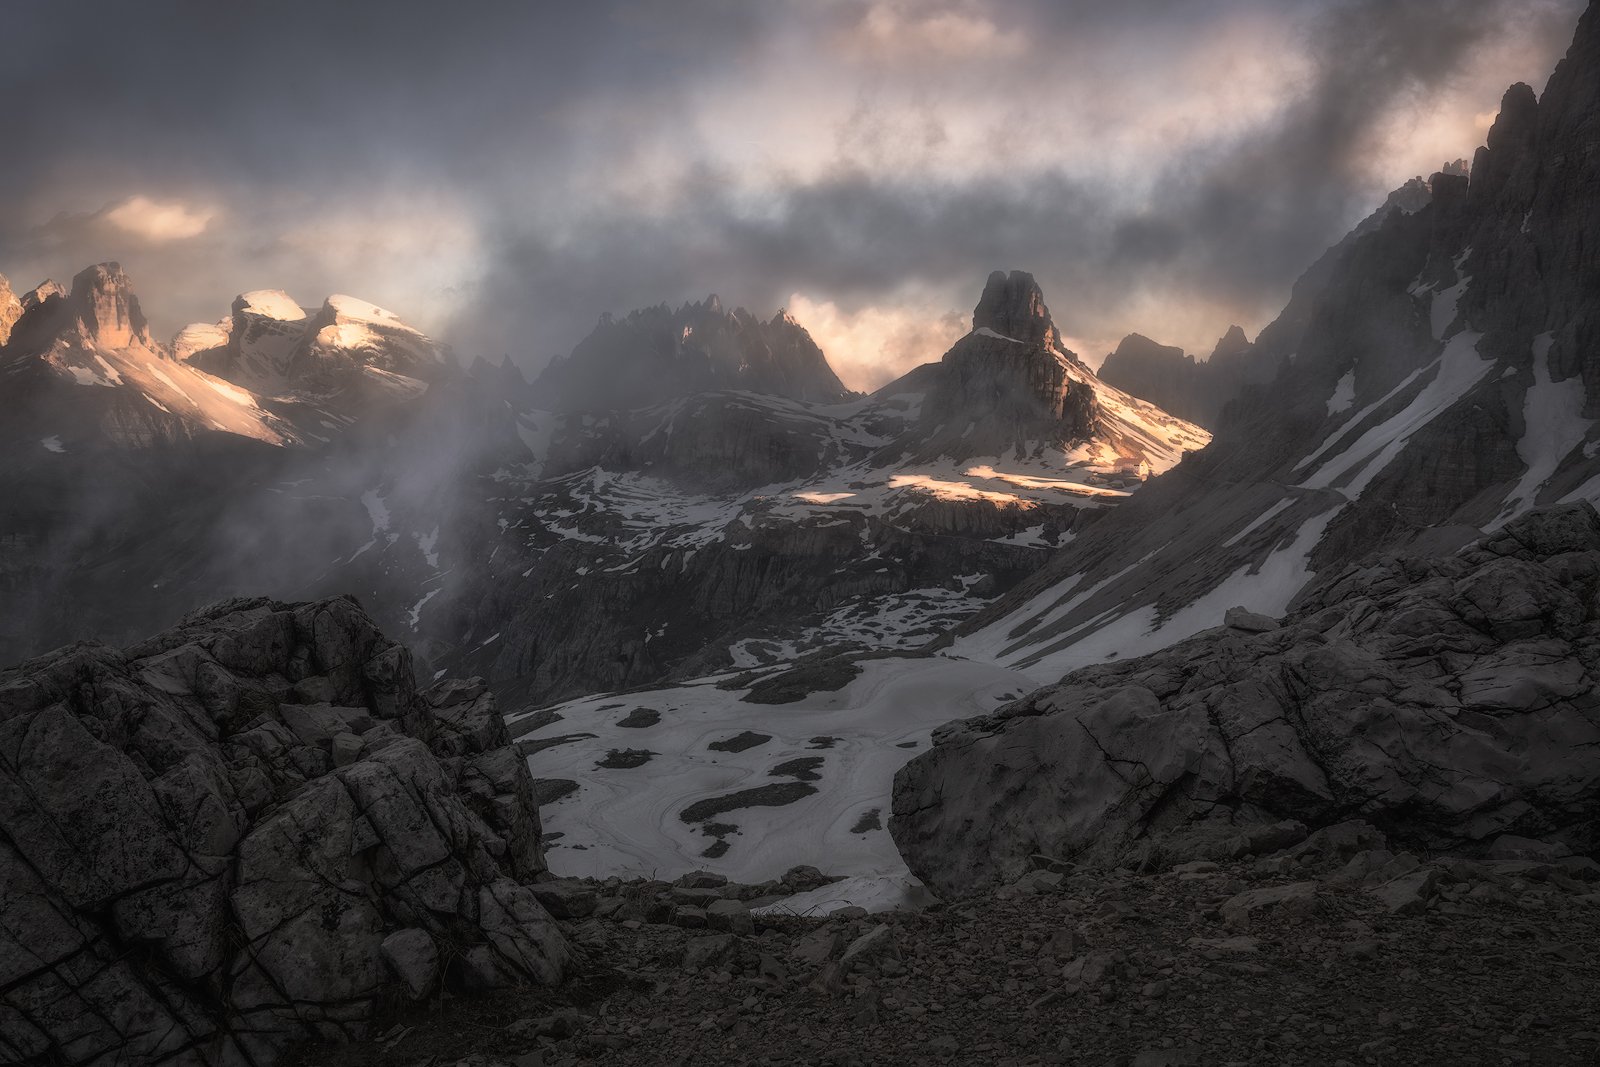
1012,305
1446,700
10,309
249,830
102,300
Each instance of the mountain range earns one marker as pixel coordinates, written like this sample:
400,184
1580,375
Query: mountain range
1001,626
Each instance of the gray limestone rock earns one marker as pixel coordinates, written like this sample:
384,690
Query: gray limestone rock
279,868
1249,621
1447,699
414,958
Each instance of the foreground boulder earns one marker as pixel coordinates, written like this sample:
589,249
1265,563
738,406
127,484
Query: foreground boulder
1446,701
250,830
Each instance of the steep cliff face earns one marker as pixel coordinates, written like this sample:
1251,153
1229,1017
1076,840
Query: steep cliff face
657,353
10,309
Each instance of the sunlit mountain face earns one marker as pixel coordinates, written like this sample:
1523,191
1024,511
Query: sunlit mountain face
507,177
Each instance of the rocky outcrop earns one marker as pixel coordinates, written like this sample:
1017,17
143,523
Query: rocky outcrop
655,354
1446,700
250,830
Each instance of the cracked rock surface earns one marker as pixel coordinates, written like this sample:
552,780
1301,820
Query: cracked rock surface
1446,700
251,830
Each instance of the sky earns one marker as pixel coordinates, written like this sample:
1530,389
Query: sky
500,174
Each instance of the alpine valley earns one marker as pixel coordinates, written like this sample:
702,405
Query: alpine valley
1295,615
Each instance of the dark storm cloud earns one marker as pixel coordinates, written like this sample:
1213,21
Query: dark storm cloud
1232,224
448,159
1239,223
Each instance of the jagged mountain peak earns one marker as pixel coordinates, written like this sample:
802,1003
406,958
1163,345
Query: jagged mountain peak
1011,388
272,344
42,292
1012,305
659,353
1233,343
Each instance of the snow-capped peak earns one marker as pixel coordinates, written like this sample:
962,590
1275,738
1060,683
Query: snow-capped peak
271,304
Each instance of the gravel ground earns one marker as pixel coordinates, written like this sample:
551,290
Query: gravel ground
1205,964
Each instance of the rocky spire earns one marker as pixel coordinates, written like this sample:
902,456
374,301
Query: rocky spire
1233,343
102,300
1013,306
1509,151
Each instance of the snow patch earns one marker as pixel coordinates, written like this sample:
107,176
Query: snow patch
429,546
52,444
1552,415
1258,522
377,510
231,392
272,304
629,824
1442,312
1266,587
414,615
1344,394
1459,368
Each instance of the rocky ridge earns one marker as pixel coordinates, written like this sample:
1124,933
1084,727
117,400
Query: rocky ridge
90,377
657,353
270,344
1447,700
249,830
1191,389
